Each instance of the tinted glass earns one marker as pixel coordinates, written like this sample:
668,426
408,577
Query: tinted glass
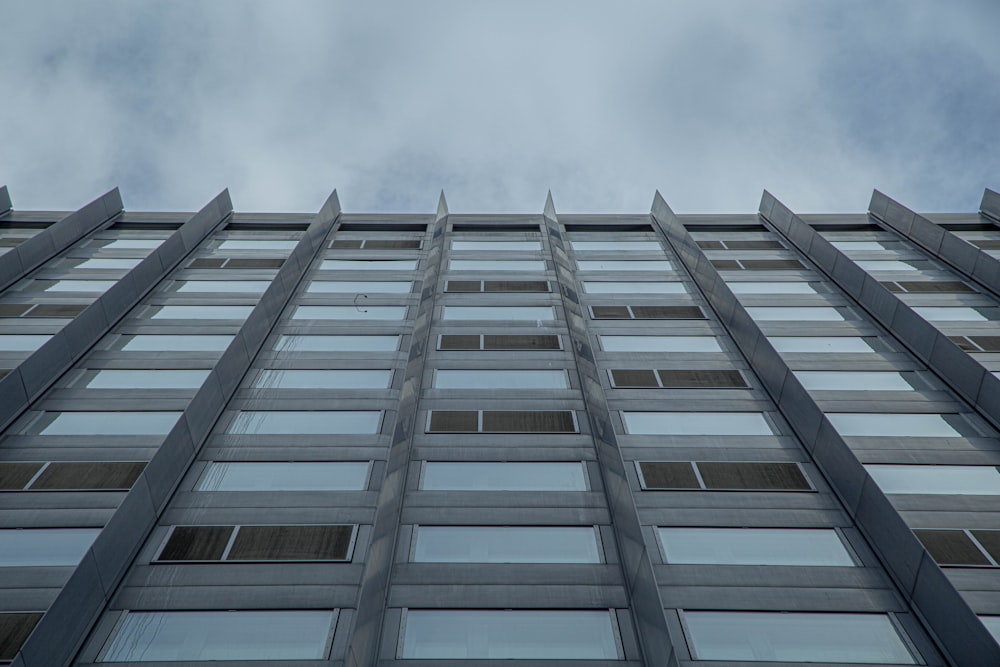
284,476
889,425
201,312
133,244
840,344
256,244
592,287
337,344
849,246
343,421
609,245
177,343
492,379
753,546
80,286
618,265
223,286
359,312
950,480
884,265
949,314
771,288
496,245
509,634
173,636
309,379
496,265
371,265
22,342
440,476
45,547
992,624
147,379
354,287
531,313
109,263
853,381
765,313
506,544
696,423
660,344
110,423
795,637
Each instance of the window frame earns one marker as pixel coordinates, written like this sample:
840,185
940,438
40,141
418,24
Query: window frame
236,527
702,487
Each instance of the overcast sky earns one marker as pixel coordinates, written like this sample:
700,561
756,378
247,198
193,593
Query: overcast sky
389,102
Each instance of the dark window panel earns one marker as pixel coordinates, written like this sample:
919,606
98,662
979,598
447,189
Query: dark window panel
14,631
3,372
11,242
664,475
207,263
529,342
988,343
756,476
892,287
458,342
346,243
963,343
528,421
610,312
667,313
987,244
990,539
711,245
454,421
951,547
753,245
13,309
13,476
764,264
291,543
196,543
462,286
254,263
935,286
57,310
392,244
634,378
516,286
726,264
89,475
683,379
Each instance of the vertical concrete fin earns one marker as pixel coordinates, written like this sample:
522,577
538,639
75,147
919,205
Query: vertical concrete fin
442,209
990,206
5,204
549,211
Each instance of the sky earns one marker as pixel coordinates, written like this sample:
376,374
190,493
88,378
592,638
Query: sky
389,102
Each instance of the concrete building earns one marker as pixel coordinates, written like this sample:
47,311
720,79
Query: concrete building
447,439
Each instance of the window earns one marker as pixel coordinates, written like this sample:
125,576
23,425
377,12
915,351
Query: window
108,263
337,344
144,379
501,421
733,244
850,246
368,265
506,544
977,343
696,423
508,476
355,287
646,313
174,636
274,423
104,423
757,264
54,310
935,479
259,263
795,637
258,543
176,343
131,244
222,286
377,244
285,476
494,379
624,265
499,342
949,314
992,624
257,244
511,634
493,246
358,312
754,546
771,288
927,286
22,342
45,547
660,344
853,381
722,476
616,246
524,313
473,286
609,287
820,344
534,265
675,379
70,475
892,425
95,286
14,630
765,313
322,379
887,265
967,548
201,312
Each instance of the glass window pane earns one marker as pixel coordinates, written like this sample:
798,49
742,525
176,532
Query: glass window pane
660,344
951,480
177,343
807,344
609,245
337,344
496,265
992,624
147,379
368,265
201,312
771,288
355,287
849,246
491,379
884,265
257,244
609,287
317,422
80,286
509,634
949,314
284,476
530,313
45,547
134,244
110,423
441,476
765,313
624,265
360,312
496,245
109,263
223,286
795,637
22,342
323,379
892,425
173,636
853,381
754,546
696,423
506,544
